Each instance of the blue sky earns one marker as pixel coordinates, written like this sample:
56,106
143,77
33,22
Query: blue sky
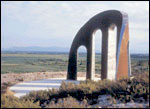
48,24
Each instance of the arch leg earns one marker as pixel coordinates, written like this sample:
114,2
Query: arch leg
91,60
104,54
72,66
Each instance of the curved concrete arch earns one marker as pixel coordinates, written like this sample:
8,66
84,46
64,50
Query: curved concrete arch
84,37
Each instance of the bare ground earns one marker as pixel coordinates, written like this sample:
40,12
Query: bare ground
15,78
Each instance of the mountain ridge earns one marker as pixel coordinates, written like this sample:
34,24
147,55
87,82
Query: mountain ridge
41,49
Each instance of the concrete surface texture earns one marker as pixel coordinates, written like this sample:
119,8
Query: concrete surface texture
115,60
23,88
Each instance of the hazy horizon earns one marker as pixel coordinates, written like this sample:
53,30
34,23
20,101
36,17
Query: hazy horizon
55,24
53,50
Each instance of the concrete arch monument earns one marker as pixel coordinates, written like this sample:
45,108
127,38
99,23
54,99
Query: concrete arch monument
116,64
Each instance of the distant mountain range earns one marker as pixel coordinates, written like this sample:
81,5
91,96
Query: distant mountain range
46,49
40,49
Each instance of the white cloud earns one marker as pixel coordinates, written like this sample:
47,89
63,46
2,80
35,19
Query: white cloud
63,19
67,7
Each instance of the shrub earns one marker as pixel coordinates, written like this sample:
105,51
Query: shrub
68,102
5,86
39,96
9,101
133,89
125,90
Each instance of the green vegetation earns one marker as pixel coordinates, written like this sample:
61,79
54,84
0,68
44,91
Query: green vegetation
9,101
20,63
87,93
32,62
70,95
68,102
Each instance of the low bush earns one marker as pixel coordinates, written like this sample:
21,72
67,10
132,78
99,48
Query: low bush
133,89
9,101
125,90
5,86
68,102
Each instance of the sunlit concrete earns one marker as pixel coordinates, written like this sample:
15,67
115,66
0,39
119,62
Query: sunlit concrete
21,89
111,61
115,59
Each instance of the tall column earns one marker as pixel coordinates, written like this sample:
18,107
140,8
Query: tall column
72,65
111,59
104,53
91,59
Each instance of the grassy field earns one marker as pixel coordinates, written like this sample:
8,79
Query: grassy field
85,93
34,62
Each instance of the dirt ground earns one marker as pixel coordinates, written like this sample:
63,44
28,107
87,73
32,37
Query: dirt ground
15,78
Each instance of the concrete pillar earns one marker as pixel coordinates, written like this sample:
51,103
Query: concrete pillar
113,67
104,54
91,59
72,65
111,60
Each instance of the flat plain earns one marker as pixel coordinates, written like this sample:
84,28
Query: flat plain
19,68
55,62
